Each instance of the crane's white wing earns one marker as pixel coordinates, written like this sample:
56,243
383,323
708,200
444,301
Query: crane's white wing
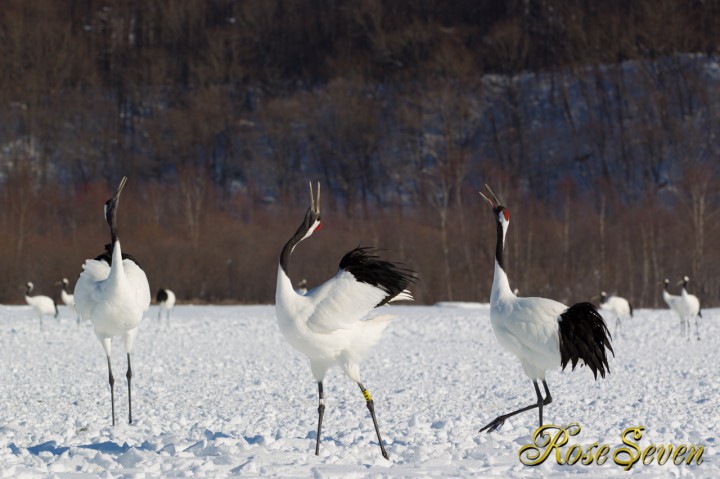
87,291
341,301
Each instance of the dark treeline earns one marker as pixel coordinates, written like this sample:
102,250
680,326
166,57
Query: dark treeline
596,122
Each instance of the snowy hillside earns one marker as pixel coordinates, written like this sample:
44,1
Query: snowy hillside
219,393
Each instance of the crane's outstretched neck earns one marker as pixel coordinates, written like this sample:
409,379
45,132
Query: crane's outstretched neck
306,229
501,284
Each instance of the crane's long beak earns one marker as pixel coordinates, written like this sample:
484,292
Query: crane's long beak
492,199
315,202
116,196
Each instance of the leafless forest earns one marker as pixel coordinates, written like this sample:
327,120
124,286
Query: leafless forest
595,122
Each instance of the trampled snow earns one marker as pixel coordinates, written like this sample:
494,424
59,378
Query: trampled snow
218,392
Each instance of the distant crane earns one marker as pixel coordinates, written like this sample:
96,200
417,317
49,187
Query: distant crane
326,323
113,293
43,305
544,334
618,306
673,302
689,306
67,298
166,301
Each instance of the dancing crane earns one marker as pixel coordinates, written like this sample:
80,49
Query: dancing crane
113,293
544,334
43,305
326,324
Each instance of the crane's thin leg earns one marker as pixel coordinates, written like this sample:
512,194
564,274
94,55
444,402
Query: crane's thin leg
498,421
41,323
697,329
321,412
128,375
371,408
112,390
617,325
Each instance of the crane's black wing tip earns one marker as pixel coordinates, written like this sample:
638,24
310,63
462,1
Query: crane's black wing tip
366,266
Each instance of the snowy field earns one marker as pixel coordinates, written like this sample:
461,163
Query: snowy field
218,393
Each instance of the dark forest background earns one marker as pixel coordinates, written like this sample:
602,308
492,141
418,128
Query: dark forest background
595,122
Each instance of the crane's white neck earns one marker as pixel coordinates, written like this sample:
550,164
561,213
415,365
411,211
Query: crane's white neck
500,286
117,270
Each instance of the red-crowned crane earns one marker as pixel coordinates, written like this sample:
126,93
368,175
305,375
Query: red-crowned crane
673,302
43,305
326,324
544,334
618,306
689,306
67,298
166,301
113,293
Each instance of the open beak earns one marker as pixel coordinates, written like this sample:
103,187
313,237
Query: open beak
315,202
116,196
492,199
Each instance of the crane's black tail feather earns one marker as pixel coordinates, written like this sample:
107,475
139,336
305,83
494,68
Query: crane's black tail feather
584,336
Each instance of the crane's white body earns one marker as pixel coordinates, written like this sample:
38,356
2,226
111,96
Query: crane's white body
674,303
43,305
113,298
527,327
326,324
616,305
67,299
688,305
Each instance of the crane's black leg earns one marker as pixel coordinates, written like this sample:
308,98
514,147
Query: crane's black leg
371,408
321,413
128,375
498,421
112,390
697,329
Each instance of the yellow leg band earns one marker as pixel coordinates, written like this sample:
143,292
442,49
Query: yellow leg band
366,393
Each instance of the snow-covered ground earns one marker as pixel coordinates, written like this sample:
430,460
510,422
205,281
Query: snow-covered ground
218,392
